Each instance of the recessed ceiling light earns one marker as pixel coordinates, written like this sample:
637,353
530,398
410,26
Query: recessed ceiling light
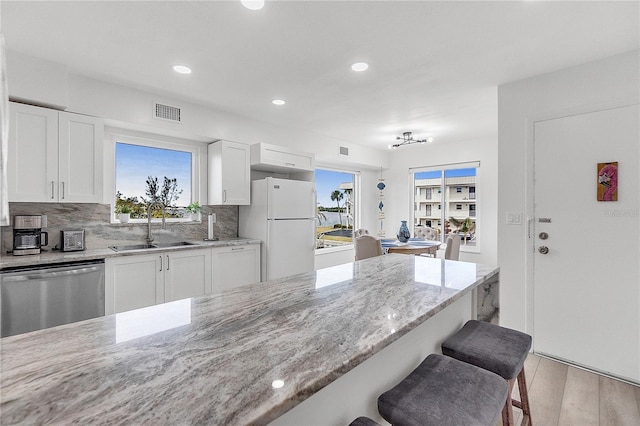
253,4
360,66
182,69
278,102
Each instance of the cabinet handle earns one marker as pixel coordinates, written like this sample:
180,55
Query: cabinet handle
224,195
52,189
63,190
160,263
237,248
290,164
167,262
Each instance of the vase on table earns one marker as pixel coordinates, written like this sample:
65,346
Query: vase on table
403,232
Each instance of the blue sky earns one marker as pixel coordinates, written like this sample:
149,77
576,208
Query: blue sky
328,181
135,163
447,173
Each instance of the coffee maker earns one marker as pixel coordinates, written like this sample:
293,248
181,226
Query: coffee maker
27,235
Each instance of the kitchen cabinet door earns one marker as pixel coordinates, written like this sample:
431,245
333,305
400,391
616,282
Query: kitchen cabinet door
187,274
32,166
235,266
229,173
54,156
133,282
80,141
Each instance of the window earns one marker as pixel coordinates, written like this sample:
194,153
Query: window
153,171
457,204
336,214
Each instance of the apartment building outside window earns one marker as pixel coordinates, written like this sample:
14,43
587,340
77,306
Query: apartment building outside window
452,188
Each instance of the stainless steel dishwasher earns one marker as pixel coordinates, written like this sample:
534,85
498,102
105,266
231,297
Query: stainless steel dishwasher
33,298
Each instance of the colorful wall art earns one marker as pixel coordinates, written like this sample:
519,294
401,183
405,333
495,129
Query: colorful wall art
608,181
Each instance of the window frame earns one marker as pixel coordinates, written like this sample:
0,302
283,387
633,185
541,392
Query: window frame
478,200
161,142
356,199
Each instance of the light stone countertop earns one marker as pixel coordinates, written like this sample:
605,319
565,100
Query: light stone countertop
216,359
51,257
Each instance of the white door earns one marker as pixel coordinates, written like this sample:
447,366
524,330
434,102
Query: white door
587,287
290,199
290,247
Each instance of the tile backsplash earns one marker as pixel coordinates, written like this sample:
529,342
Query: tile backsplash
95,219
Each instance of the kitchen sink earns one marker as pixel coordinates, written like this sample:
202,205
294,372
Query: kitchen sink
150,246
176,244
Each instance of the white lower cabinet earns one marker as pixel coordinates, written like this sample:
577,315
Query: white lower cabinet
234,266
187,274
133,282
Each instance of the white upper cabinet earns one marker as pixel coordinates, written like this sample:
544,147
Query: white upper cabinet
54,156
80,154
229,173
274,158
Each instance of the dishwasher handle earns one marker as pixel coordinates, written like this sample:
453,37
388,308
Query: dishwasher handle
39,274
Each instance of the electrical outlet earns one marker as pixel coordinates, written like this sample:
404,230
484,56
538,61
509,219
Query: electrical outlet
514,218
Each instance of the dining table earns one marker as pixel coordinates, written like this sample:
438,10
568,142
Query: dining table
412,246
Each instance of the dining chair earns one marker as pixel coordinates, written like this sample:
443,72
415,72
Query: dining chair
360,232
427,233
367,246
452,252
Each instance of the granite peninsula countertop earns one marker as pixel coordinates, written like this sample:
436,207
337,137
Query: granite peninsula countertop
245,356
51,257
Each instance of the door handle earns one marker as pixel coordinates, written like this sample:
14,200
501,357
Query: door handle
543,249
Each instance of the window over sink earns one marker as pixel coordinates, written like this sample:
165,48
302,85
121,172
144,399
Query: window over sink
152,171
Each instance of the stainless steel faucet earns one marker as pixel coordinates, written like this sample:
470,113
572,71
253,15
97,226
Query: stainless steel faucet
164,224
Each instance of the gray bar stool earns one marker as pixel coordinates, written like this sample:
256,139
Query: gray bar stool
499,350
364,421
443,391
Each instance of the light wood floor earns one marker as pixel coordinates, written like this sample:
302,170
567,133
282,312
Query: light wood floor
563,395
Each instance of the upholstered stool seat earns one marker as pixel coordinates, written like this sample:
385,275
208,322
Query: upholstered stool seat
445,391
496,349
364,421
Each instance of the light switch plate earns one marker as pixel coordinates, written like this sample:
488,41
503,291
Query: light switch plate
514,218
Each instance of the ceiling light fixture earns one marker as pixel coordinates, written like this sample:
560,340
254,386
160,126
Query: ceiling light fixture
278,102
182,69
253,4
407,139
360,66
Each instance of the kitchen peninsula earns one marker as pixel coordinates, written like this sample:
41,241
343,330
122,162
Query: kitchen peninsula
265,352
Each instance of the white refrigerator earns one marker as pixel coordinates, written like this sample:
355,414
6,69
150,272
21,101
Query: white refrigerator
282,216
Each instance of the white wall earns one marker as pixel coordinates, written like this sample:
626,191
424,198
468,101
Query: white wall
589,87
397,192
47,83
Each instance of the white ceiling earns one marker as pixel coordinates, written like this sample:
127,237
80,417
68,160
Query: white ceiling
434,66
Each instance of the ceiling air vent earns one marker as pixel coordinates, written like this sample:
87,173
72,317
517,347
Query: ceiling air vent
344,150
166,112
